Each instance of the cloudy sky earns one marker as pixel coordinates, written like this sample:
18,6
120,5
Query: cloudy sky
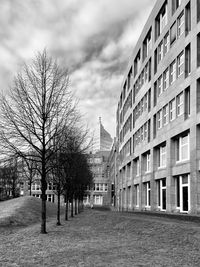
93,38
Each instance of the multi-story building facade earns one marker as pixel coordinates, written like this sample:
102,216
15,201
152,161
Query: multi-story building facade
100,193
158,115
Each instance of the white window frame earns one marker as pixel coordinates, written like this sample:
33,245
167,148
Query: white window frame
181,185
165,115
160,51
148,194
166,44
161,188
180,146
179,103
137,167
180,64
159,119
165,79
137,197
173,72
172,110
162,157
159,85
148,162
180,25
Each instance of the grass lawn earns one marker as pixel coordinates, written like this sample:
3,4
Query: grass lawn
103,238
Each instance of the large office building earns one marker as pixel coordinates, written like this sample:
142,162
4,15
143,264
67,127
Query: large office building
158,115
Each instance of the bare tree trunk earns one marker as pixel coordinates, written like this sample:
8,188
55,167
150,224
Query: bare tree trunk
43,189
72,208
76,207
58,209
66,207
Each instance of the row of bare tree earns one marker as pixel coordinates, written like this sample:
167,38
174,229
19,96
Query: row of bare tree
40,123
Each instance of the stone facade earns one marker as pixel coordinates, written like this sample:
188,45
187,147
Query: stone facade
158,119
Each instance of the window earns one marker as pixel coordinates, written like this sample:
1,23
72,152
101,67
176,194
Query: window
161,193
137,195
165,79
183,150
96,187
188,60
147,162
145,131
180,24
187,103
179,103
172,110
159,84
147,44
198,11
182,183
148,194
106,187
173,33
161,20
137,167
145,102
159,119
180,63
175,5
172,72
198,50
166,44
165,115
187,19
162,156
160,52
50,197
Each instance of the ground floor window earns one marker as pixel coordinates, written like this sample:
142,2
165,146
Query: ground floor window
161,194
137,195
36,195
147,194
50,197
183,192
129,196
86,200
98,200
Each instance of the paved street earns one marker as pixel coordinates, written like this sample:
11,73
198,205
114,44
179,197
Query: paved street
104,238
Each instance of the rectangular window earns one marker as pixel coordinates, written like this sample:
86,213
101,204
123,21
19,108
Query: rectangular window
179,103
180,25
188,60
172,72
187,19
187,103
175,5
159,119
147,163
160,51
173,33
166,44
161,189
137,195
180,63
183,148
161,20
198,10
137,167
165,115
182,183
145,131
162,157
148,194
159,84
198,50
165,79
172,110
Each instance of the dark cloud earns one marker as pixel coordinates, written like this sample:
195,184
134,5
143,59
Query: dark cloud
94,39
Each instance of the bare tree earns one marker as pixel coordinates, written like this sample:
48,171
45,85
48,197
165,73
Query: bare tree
34,113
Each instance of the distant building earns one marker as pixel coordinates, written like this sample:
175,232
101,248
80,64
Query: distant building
100,194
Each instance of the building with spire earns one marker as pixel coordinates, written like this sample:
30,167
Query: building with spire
100,194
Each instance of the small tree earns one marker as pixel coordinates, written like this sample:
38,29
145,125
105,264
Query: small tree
34,113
